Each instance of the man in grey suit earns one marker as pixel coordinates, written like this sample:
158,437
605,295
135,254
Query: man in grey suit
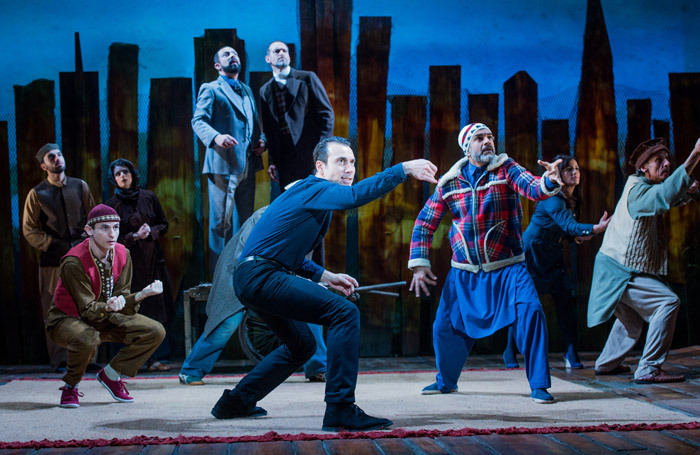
226,121
296,114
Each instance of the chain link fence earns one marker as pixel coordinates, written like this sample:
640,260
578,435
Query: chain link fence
559,106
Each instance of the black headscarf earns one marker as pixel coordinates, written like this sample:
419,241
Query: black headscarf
132,193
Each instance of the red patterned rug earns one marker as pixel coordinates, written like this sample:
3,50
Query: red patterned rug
273,436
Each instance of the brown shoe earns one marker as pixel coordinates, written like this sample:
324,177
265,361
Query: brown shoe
321,377
158,366
620,369
659,377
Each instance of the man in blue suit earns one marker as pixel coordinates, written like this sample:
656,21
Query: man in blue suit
226,121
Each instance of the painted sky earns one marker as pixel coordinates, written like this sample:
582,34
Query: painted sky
491,41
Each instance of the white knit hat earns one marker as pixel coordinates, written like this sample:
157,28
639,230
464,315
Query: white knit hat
467,133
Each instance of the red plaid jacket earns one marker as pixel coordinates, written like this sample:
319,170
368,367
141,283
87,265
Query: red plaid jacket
486,231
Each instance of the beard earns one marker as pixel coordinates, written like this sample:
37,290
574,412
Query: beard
56,169
482,158
232,67
281,64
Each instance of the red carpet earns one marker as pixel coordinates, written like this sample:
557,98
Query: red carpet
272,436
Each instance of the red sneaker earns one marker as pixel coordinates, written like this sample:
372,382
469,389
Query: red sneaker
69,397
116,388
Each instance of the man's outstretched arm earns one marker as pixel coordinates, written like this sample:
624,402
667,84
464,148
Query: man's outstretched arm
340,197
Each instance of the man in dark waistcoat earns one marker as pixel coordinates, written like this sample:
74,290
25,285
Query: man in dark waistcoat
296,114
53,219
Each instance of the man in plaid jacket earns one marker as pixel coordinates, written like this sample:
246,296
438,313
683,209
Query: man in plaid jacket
488,286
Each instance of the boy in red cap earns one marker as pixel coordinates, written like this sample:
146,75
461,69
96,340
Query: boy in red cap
93,303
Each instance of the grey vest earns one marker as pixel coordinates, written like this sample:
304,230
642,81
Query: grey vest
641,244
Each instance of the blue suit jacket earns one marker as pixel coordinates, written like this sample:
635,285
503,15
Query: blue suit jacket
220,111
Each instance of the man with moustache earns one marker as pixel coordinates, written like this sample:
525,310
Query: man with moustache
488,286
226,121
296,114
633,258
266,281
52,221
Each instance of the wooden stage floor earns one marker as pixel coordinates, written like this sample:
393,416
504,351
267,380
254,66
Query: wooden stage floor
683,397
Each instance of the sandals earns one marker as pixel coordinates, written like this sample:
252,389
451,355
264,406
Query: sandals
158,366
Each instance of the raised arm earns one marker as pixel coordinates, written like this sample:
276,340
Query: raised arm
693,158
528,185
331,196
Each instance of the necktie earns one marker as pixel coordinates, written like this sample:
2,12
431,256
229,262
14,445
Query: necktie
236,86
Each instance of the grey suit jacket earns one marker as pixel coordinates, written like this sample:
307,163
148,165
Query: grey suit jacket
223,302
220,111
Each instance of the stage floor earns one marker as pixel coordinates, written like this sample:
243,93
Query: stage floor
491,413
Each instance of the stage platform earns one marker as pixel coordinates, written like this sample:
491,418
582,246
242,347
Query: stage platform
492,413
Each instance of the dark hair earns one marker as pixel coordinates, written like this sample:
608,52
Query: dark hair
216,55
321,149
573,202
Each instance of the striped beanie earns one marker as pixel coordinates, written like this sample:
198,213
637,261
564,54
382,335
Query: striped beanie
102,213
467,133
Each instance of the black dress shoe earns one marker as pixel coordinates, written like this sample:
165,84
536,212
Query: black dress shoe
620,369
349,417
230,406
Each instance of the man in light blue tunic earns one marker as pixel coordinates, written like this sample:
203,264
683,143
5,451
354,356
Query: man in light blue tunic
632,259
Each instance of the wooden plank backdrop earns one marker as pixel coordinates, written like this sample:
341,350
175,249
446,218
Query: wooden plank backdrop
520,108
207,46
172,180
204,50
373,242
35,125
307,29
80,127
662,128
596,133
256,79
555,138
684,243
445,88
372,72
123,102
80,122
408,118
638,125
342,48
326,46
444,85
335,245
326,33
10,310
484,109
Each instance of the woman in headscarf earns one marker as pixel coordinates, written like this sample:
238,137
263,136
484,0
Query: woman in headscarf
554,220
142,223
